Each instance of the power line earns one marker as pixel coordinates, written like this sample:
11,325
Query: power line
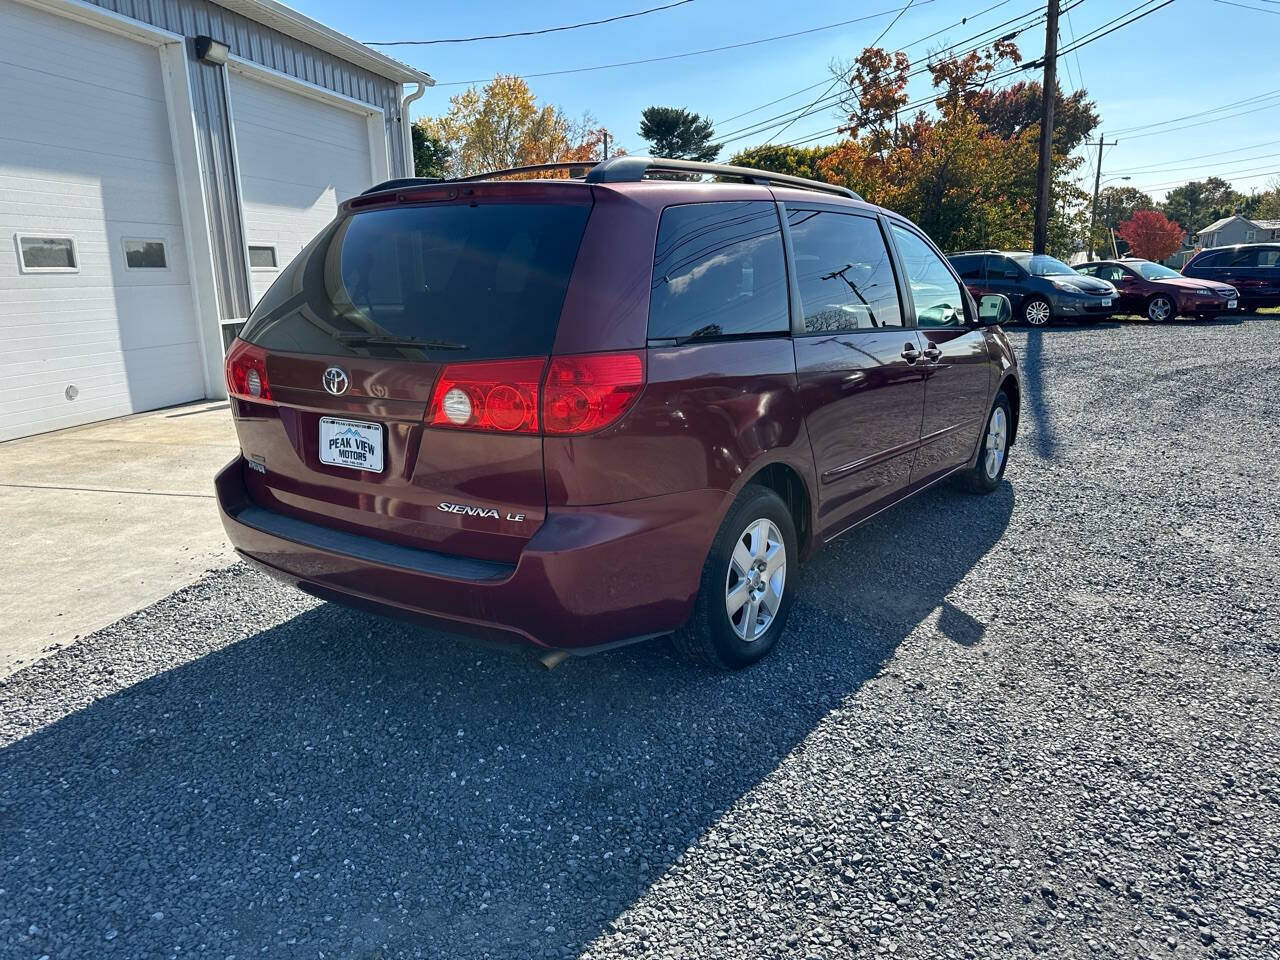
1243,6
761,125
758,127
1199,156
1200,113
1201,123
691,53
840,77
526,33
1266,171
906,46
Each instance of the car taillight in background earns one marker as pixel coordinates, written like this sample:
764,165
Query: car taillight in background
578,395
247,372
582,394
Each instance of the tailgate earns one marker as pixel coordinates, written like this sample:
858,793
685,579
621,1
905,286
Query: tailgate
354,337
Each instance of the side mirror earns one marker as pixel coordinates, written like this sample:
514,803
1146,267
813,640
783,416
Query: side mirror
994,309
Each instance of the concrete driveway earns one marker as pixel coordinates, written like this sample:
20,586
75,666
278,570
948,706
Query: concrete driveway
105,519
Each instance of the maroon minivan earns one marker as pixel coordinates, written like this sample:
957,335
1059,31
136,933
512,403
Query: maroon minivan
583,412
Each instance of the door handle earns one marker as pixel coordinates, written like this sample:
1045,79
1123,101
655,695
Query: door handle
910,353
932,353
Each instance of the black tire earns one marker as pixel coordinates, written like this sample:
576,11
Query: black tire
1036,307
980,479
710,637
1155,314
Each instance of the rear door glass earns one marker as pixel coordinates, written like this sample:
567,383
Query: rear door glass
844,271
490,277
718,271
969,267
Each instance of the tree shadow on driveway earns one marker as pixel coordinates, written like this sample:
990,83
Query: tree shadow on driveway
347,785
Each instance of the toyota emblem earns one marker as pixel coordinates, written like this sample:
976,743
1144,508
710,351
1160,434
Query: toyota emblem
335,381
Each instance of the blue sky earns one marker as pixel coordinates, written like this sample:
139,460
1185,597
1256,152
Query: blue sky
1189,57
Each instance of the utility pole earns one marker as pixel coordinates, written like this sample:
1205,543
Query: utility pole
606,146
1097,186
1048,93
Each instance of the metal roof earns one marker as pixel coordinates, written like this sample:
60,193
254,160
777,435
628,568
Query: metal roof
301,27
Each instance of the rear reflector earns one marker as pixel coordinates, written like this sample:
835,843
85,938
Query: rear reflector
246,367
586,393
500,396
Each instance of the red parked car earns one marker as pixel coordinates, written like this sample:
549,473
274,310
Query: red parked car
584,412
1158,293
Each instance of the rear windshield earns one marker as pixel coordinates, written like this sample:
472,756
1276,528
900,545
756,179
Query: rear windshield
471,282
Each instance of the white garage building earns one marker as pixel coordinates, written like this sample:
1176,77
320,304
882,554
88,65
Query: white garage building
155,175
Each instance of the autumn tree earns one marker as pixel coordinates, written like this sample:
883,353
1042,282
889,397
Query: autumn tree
1151,235
1015,109
964,183
678,134
501,125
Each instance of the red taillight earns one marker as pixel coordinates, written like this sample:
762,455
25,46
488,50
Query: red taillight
585,393
247,372
493,395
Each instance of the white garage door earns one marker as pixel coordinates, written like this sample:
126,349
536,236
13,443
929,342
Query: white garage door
99,321
299,158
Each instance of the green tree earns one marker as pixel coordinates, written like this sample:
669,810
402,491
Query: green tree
431,155
676,133
796,161
1268,207
1197,204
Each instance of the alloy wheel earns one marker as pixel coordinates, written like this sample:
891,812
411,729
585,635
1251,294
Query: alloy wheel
1159,309
997,442
1038,313
756,579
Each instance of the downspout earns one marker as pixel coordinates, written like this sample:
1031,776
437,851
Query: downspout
406,132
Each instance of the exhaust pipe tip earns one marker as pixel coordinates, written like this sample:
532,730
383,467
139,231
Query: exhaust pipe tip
553,658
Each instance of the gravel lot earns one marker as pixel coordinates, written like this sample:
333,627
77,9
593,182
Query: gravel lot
1040,722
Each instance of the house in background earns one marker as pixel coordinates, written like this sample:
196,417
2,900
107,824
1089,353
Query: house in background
159,164
1237,229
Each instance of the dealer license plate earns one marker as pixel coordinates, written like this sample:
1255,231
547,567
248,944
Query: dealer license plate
351,443
1106,302
1231,304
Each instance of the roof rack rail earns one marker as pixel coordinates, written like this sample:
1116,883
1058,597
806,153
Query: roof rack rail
632,169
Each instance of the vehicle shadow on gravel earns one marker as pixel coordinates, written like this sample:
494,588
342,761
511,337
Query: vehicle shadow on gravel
345,784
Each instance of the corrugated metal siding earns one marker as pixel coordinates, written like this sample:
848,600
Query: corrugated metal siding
270,48
209,96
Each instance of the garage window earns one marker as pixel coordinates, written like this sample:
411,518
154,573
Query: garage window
47,254
262,257
142,254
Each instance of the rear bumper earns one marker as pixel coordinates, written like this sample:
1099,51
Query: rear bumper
590,576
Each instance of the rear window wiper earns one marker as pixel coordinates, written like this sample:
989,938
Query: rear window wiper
387,340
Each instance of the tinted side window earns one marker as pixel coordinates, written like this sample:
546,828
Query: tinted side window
1002,268
938,297
1218,259
718,270
844,271
969,267
1256,257
1087,271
